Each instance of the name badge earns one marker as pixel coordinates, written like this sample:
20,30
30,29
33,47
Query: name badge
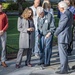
46,21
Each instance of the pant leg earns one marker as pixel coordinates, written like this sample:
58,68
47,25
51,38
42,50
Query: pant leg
74,30
48,49
3,43
74,34
63,57
19,56
36,48
29,52
70,46
41,42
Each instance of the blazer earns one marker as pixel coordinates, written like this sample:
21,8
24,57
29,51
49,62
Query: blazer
64,29
46,24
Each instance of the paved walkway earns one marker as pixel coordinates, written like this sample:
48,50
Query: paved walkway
38,70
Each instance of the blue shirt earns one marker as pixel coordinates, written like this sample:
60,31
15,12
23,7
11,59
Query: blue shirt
72,9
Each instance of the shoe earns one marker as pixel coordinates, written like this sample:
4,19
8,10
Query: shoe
59,72
73,67
58,54
46,65
28,64
17,66
4,64
41,64
69,54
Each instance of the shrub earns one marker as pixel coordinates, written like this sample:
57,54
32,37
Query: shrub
26,4
14,6
5,5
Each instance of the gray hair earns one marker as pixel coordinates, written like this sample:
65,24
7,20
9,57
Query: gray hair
63,4
40,9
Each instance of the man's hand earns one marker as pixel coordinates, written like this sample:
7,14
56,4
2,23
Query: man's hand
47,35
1,32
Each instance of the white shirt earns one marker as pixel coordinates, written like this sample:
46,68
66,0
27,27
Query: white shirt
34,16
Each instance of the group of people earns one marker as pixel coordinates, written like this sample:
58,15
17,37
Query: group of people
37,27
36,30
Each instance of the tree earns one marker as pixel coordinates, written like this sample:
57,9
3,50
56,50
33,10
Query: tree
20,2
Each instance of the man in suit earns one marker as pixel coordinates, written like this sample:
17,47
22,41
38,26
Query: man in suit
3,35
64,34
46,29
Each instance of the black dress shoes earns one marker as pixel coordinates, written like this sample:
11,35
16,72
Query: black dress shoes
41,64
73,67
69,54
17,66
28,64
46,65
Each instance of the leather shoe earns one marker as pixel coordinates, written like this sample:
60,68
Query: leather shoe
73,67
17,66
69,54
4,64
28,64
46,65
41,64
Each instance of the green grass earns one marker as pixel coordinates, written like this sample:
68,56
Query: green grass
12,29
12,34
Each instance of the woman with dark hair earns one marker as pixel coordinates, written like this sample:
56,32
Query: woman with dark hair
26,39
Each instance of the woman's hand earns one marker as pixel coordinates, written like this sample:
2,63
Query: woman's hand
30,29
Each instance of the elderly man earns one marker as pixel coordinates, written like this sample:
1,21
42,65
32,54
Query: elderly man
46,29
63,32
34,8
3,28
